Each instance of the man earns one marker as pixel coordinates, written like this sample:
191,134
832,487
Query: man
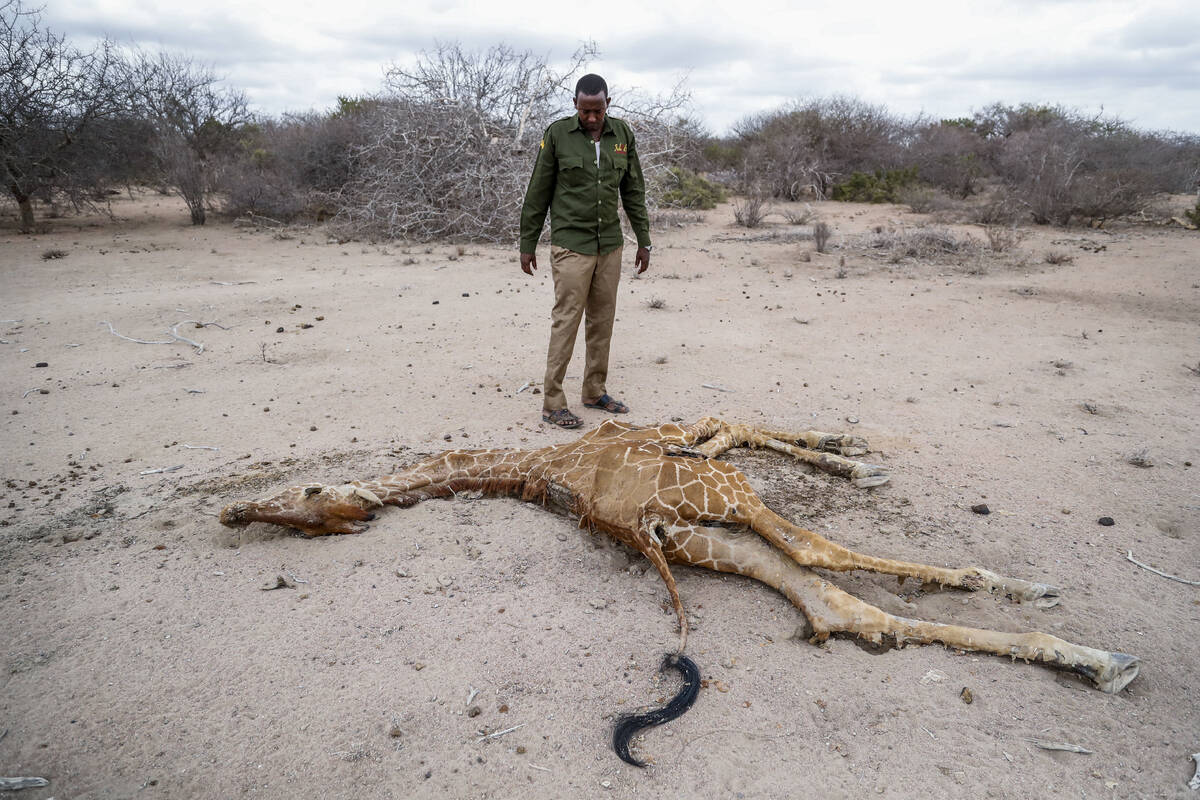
585,162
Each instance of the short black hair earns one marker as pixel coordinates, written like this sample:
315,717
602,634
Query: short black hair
591,84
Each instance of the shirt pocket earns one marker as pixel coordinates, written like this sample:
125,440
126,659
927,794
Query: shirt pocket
620,162
568,163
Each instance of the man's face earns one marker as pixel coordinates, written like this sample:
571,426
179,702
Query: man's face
591,108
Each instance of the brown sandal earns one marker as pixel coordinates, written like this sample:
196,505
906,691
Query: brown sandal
563,418
609,404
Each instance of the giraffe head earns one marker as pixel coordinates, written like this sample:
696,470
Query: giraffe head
313,508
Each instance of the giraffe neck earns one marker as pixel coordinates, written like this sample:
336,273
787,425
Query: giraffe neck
497,472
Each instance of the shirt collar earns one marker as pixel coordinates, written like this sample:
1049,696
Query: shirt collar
578,126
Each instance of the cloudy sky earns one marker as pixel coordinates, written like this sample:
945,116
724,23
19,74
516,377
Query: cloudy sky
1136,60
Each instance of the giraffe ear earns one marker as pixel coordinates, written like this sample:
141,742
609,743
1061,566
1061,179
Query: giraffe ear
369,496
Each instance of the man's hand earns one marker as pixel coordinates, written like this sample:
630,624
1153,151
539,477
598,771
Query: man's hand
641,260
529,263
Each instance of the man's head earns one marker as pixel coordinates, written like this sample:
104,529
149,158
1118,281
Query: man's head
591,101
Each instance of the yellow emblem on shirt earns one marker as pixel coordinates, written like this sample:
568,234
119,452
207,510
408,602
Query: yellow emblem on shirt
542,146
620,148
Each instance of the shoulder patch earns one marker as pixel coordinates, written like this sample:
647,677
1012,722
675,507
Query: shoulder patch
620,147
542,146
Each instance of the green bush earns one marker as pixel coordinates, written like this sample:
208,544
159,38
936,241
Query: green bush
881,186
679,187
1193,216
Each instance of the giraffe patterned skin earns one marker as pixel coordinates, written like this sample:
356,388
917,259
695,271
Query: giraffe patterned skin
662,491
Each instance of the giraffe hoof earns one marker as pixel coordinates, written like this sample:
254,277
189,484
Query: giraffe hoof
871,481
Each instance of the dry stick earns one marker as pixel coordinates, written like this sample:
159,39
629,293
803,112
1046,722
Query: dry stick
200,447
718,388
500,733
29,392
231,283
12,784
1129,557
1066,747
160,469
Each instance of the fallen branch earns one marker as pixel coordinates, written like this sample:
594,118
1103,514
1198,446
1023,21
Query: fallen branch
500,733
199,447
160,469
1129,557
1066,747
231,283
718,388
113,331
29,392
12,784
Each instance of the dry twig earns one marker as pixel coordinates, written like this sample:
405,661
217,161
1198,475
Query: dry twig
1129,557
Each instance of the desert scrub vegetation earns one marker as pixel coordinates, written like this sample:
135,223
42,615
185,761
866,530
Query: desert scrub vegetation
1026,163
680,187
751,211
931,244
880,186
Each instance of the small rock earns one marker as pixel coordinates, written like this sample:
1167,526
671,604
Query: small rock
447,437
474,711
1107,522
539,391
606,784
598,603
466,294
852,420
981,508
435,302
521,750
279,329
967,695
41,364
445,580
418,666
312,427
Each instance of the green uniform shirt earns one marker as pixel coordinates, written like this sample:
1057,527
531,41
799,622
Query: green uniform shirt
581,195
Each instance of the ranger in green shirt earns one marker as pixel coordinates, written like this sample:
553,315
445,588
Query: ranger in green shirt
584,164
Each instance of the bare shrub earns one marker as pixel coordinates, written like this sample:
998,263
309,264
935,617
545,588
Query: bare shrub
923,244
821,235
804,148
197,122
1058,257
49,255
1002,238
656,303
751,210
801,216
662,218
925,199
57,108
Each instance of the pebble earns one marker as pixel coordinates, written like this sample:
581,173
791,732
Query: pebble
606,784
1107,521
967,695
41,364
981,508
598,603
279,329
445,580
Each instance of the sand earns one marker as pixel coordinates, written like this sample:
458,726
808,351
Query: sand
141,656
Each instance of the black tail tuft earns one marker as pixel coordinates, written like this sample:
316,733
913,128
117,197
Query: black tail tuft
628,726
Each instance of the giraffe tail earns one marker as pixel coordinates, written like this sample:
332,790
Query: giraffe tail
630,725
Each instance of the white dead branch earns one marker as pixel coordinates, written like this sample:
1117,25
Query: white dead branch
173,331
1129,557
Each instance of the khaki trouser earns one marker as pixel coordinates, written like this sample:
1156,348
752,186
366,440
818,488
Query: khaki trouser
582,284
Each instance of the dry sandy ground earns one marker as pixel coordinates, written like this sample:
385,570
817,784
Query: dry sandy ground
139,656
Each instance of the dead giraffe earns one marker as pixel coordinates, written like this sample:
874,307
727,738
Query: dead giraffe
661,491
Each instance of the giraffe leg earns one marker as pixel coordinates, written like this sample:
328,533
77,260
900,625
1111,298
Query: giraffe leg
831,610
810,549
825,451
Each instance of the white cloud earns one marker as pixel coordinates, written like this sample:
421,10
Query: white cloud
946,58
